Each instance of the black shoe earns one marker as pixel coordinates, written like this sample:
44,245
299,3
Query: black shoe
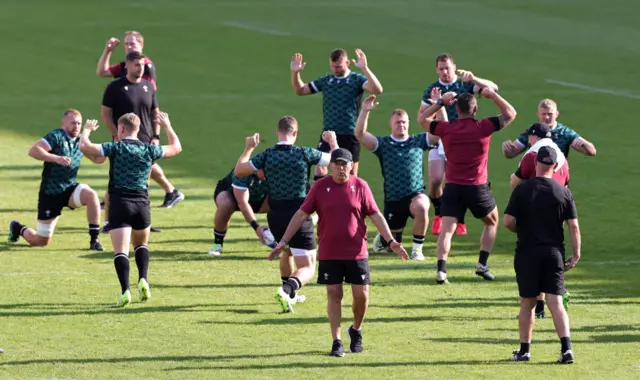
567,357
337,349
96,246
105,229
155,229
14,231
540,315
519,357
172,199
356,340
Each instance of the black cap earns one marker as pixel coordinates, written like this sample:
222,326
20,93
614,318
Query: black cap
541,130
341,154
547,155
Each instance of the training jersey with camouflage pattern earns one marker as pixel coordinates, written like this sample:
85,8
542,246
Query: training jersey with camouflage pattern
341,98
57,178
458,86
401,164
258,189
562,135
131,162
287,169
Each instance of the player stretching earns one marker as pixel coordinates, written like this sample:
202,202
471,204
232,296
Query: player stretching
341,96
286,168
447,81
129,214
401,157
60,151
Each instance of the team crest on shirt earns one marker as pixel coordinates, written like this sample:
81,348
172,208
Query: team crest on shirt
328,189
353,188
363,276
126,88
149,65
145,88
330,80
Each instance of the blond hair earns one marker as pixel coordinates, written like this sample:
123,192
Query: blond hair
73,111
135,34
129,121
399,112
547,103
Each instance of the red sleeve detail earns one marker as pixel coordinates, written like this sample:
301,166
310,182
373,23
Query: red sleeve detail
489,125
528,166
116,70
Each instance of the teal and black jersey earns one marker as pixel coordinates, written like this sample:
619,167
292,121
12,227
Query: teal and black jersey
258,189
459,87
562,135
341,97
57,178
287,170
131,162
401,164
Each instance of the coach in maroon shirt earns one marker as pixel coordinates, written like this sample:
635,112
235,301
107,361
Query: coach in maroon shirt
342,202
466,142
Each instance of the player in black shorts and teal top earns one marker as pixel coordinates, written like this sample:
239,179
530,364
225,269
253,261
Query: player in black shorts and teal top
129,214
286,168
342,93
447,81
401,160
60,151
248,195
563,136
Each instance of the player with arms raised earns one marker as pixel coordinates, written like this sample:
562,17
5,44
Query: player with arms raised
342,92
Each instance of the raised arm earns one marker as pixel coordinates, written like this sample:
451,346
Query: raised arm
507,112
243,165
103,63
174,146
86,146
299,87
467,76
40,151
437,108
365,138
373,85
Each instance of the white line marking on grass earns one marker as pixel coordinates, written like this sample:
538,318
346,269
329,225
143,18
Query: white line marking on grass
239,25
624,94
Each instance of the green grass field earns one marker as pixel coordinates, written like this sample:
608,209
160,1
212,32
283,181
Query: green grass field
223,73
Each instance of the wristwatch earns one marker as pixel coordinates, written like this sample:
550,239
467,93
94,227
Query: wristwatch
440,101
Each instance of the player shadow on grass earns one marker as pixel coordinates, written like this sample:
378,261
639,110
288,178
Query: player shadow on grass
52,310
349,364
183,256
622,338
289,320
176,358
449,304
631,329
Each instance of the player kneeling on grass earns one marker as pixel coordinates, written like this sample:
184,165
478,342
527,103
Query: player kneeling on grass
129,212
60,151
250,196
401,160
342,202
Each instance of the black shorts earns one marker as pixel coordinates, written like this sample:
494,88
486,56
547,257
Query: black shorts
397,212
50,206
538,271
225,185
129,211
457,199
348,142
279,219
334,272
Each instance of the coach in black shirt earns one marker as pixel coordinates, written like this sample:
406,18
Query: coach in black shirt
537,211
133,93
